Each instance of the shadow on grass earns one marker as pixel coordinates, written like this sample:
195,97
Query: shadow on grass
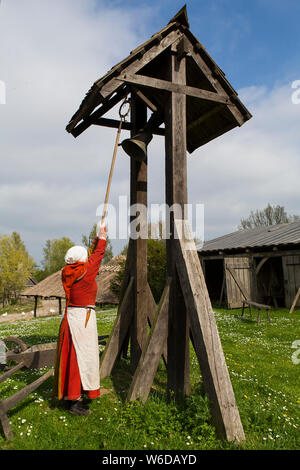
243,319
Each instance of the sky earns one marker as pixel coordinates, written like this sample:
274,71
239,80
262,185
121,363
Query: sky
52,51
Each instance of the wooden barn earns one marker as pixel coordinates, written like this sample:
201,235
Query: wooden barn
260,264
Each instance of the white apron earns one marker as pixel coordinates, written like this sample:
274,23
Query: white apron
85,340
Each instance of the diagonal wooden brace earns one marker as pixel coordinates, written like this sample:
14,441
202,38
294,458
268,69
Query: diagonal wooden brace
206,338
118,334
10,402
148,363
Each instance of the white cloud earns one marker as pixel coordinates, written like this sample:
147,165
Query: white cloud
51,54
51,183
252,165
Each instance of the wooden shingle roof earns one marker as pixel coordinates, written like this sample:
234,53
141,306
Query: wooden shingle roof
213,106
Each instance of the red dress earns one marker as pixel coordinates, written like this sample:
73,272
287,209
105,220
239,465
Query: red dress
79,281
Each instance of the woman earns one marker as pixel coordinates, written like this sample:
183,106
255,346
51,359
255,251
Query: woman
77,355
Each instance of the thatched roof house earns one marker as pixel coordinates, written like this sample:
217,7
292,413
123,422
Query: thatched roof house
51,287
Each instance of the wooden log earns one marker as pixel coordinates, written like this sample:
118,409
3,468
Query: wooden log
24,392
148,363
207,342
176,193
118,334
16,398
7,430
11,371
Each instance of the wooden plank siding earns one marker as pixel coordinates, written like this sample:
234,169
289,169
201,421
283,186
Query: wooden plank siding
238,271
291,273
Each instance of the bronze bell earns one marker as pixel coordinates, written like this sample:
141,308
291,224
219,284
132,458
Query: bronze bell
136,147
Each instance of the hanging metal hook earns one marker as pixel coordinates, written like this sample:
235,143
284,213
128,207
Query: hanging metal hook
124,114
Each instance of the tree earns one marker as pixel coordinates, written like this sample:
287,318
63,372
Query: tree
270,215
54,254
16,266
156,263
87,240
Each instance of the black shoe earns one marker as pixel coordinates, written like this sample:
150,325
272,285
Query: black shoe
78,409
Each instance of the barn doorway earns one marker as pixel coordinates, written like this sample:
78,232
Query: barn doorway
214,274
270,281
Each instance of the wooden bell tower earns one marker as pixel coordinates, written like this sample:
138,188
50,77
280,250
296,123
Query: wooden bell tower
171,73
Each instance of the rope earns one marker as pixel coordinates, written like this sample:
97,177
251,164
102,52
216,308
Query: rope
123,116
122,119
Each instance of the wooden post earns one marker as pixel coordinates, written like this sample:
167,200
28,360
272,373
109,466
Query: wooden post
35,305
176,193
206,338
118,335
59,305
138,195
145,372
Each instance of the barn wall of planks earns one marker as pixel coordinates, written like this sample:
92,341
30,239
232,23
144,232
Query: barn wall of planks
271,277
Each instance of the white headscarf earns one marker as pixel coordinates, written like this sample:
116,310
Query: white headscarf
76,254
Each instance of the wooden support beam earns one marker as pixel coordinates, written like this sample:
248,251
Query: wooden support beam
113,123
16,398
138,196
135,66
152,308
92,118
35,305
216,85
176,193
206,338
173,87
119,332
146,100
149,360
260,264
295,301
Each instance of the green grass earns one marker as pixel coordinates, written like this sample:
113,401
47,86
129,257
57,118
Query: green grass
264,378
18,307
